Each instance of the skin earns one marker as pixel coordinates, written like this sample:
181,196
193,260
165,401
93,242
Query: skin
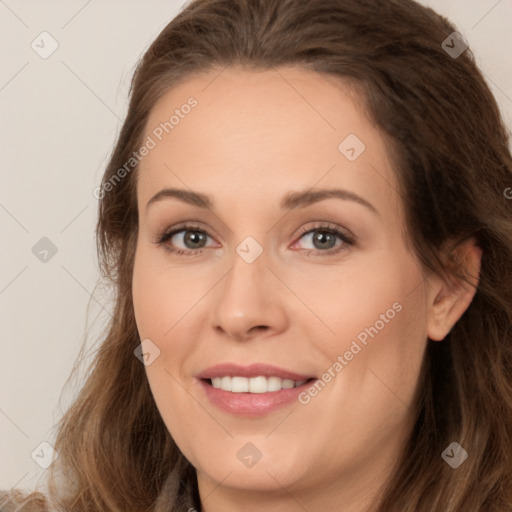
252,138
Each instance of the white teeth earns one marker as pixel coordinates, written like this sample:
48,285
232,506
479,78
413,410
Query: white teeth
273,384
288,384
258,385
225,383
254,384
239,385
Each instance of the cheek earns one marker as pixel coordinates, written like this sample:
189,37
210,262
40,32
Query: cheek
378,321
364,303
160,298
166,302
159,303
145,289
382,356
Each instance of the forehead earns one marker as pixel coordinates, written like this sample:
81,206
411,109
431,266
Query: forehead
263,133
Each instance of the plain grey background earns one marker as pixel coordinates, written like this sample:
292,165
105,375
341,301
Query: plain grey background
60,118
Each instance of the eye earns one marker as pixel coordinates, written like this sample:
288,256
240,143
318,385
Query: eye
324,237
192,236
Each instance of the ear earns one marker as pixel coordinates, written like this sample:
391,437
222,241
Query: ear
448,298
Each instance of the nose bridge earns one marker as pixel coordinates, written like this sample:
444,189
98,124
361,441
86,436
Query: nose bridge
248,297
246,285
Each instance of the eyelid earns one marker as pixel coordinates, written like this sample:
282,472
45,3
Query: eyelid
185,226
327,226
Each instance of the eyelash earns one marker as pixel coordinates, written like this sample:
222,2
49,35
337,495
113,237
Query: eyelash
347,239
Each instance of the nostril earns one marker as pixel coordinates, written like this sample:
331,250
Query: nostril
260,327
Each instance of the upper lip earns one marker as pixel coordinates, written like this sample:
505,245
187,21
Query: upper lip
252,370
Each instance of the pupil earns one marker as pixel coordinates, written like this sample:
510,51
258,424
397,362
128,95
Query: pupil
193,237
322,237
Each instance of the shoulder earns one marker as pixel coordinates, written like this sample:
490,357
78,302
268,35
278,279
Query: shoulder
18,501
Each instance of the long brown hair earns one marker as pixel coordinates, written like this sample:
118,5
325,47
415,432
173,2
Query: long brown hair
451,153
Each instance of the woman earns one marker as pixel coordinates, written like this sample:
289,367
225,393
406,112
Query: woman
255,372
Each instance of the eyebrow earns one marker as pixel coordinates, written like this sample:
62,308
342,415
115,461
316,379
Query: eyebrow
290,201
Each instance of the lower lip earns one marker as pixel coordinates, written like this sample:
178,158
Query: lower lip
252,404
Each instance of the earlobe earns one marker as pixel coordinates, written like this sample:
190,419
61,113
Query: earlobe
449,298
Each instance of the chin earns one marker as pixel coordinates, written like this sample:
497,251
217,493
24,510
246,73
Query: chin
238,464
260,478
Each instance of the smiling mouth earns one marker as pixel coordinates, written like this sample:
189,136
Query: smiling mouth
259,384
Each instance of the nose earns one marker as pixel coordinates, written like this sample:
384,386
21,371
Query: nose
249,302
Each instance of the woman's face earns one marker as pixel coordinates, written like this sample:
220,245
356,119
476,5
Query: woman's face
267,294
